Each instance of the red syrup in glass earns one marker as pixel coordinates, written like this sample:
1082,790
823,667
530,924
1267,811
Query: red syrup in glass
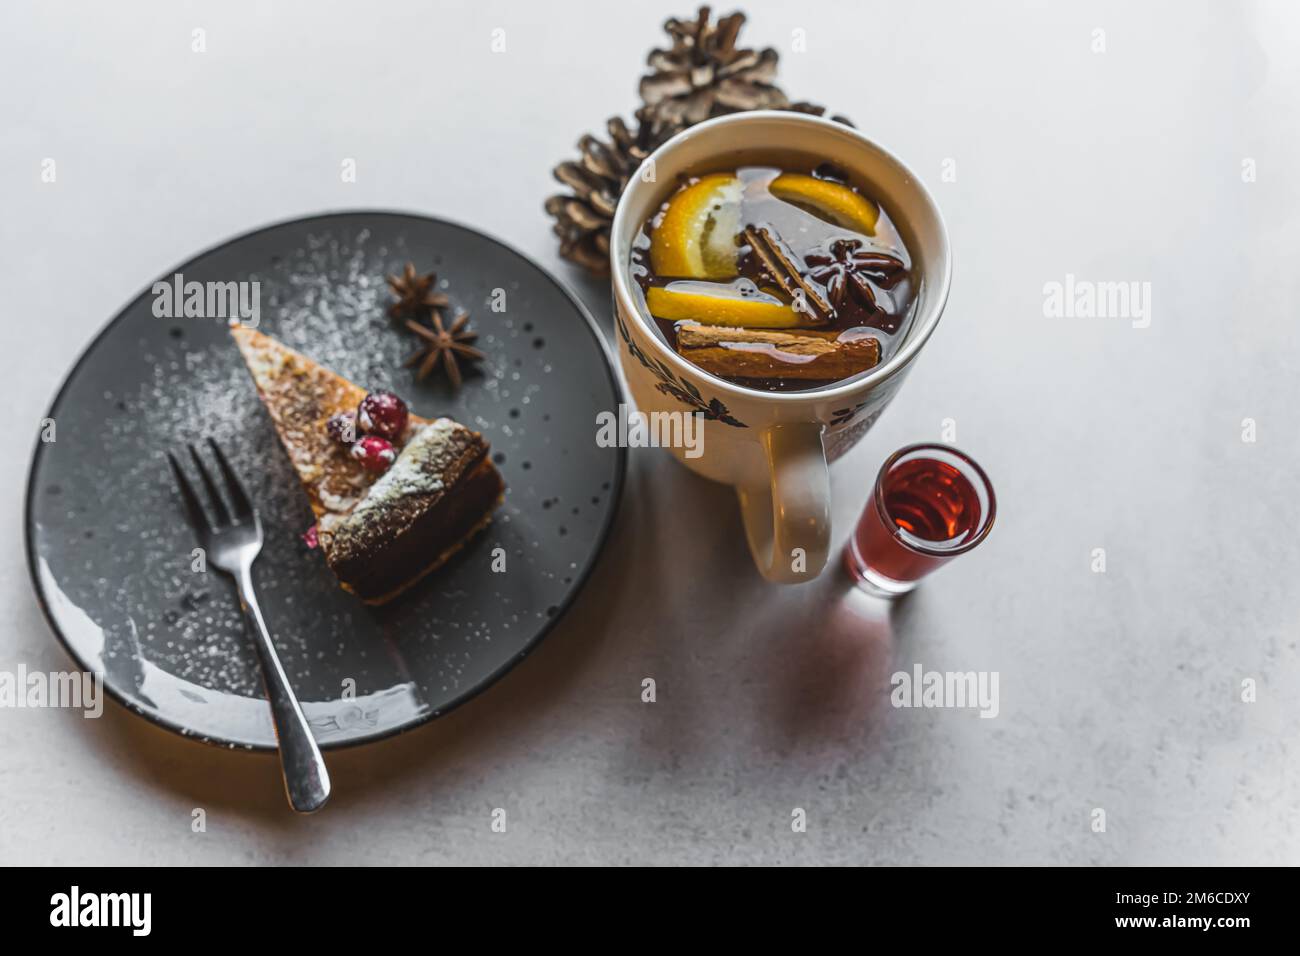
930,503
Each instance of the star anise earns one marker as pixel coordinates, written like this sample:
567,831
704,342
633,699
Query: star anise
416,294
445,344
846,270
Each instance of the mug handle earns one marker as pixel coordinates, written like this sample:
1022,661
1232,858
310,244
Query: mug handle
794,510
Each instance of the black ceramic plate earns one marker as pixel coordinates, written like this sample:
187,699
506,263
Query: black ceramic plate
110,551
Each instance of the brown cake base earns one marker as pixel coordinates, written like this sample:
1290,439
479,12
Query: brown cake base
378,533
427,542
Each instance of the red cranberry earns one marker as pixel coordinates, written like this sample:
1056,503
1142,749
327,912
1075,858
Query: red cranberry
374,453
342,427
382,413
310,538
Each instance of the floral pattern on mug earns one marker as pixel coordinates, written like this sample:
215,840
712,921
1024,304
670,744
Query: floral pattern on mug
681,389
841,416
842,439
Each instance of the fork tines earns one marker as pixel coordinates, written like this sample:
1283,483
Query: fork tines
240,505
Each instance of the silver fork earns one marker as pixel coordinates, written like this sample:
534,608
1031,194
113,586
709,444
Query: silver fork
231,543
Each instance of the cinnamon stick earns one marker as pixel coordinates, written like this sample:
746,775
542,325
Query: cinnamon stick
779,264
756,353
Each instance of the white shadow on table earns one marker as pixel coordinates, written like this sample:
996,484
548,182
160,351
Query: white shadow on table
831,655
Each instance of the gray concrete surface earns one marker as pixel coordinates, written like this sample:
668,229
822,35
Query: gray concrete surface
1119,690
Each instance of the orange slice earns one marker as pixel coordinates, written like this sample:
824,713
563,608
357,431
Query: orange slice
833,201
697,236
712,303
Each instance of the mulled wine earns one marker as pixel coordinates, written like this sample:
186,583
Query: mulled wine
930,503
777,277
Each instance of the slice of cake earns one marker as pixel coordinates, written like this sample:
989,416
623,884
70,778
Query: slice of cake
395,495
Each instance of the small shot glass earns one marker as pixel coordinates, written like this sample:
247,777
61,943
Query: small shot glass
930,503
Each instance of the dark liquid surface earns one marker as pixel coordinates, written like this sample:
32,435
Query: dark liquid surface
826,251
933,501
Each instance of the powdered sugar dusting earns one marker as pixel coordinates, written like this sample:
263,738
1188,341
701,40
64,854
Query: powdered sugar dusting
415,471
113,534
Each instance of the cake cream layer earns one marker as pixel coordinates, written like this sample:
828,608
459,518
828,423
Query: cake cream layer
378,534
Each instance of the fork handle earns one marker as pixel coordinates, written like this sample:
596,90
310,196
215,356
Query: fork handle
306,780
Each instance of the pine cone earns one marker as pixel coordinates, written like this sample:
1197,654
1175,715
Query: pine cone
703,74
582,220
812,109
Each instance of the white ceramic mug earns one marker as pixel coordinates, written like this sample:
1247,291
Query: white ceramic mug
774,446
